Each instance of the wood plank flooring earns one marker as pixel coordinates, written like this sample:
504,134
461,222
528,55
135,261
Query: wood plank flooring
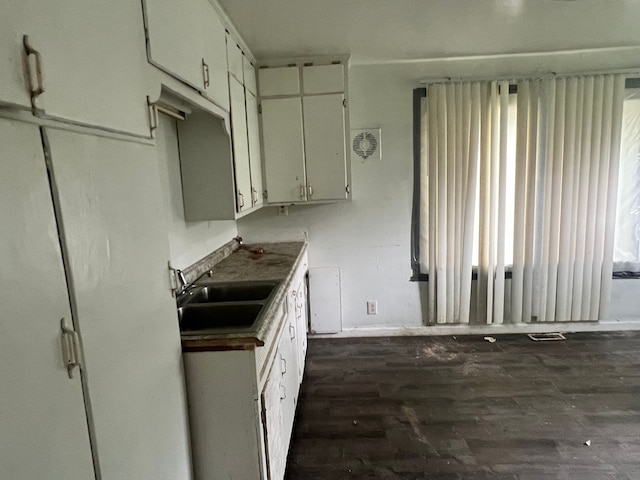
463,408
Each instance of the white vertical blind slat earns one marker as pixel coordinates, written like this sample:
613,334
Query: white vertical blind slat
472,91
566,205
519,219
556,196
443,187
588,299
581,201
503,99
459,169
432,206
603,186
451,198
616,131
531,159
483,218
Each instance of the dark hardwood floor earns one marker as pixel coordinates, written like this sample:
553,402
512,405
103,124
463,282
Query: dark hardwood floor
464,408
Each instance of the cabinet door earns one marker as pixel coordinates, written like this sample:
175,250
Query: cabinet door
279,81
283,147
276,442
240,145
115,232
215,57
323,79
254,148
287,355
234,59
92,59
249,75
325,150
301,324
174,38
43,421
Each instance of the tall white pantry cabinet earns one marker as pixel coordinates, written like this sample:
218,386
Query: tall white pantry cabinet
84,253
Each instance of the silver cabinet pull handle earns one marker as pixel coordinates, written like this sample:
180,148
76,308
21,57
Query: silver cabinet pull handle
205,74
283,392
292,332
70,347
302,192
35,88
310,188
241,196
283,365
254,196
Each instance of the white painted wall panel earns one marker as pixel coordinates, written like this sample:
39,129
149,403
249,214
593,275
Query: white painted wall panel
325,300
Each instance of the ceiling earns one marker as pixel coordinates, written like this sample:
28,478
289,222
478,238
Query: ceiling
387,31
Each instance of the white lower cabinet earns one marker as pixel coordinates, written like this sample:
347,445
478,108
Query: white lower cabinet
242,403
76,251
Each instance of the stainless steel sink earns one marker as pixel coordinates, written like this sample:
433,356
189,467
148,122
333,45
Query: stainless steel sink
232,292
224,307
203,317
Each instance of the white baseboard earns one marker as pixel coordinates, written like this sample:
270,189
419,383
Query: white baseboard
524,328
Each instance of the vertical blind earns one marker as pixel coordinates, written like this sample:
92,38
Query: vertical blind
561,189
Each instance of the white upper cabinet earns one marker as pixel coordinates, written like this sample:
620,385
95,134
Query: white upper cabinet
215,58
279,81
323,79
234,59
324,146
283,146
312,164
249,75
240,145
253,126
245,128
187,40
91,58
174,32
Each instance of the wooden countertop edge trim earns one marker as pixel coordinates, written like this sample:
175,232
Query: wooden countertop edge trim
220,344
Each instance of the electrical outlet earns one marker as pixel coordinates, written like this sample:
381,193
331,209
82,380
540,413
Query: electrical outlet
372,307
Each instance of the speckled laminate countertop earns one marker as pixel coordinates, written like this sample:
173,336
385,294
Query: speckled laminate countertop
278,261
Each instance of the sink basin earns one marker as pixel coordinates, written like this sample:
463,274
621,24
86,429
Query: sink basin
232,292
203,317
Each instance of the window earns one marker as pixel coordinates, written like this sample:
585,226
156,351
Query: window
520,181
626,253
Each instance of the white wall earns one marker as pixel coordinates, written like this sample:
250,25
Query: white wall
188,241
369,238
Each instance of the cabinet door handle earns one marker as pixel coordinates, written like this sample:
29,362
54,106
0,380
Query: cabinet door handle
302,192
310,188
36,88
283,392
283,365
241,199
292,332
205,74
254,196
70,347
